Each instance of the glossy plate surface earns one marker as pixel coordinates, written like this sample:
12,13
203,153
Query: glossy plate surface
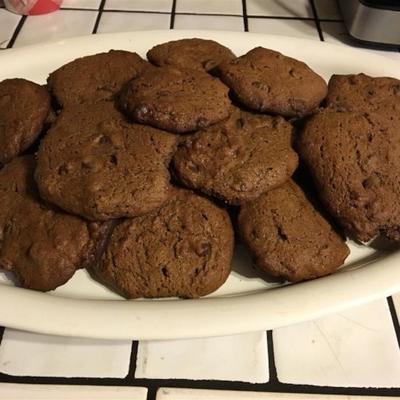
245,303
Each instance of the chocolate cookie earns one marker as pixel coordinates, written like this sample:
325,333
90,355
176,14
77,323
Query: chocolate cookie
354,159
24,107
199,54
364,94
238,159
41,245
184,249
267,81
94,78
176,100
288,237
95,164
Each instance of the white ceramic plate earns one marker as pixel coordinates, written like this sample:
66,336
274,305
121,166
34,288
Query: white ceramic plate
245,303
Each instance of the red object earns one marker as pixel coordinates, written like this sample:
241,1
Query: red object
44,7
32,7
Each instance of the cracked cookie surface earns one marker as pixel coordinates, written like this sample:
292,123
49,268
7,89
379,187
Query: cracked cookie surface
238,159
24,107
365,94
94,78
267,81
179,101
39,243
199,54
354,159
288,237
95,164
184,249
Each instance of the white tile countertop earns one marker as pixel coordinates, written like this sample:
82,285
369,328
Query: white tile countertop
350,355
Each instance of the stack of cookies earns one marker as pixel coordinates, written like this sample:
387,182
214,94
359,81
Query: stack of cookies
133,169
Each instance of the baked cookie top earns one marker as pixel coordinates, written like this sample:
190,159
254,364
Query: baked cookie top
94,78
354,159
199,54
184,249
267,81
364,93
288,237
95,164
238,159
24,107
40,244
179,101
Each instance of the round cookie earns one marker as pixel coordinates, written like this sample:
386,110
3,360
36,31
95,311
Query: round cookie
24,107
364,93
199,54
176,100
94,78
238,159
288,238
41,245
267,81
354,159
95,164
184,249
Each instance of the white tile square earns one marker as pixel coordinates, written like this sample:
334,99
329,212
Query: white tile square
29,354
286,27
59,25
357,348
233,358
210,7
209,22
327,9
279,8
204,394
120,21
81,4
12,391
8,23
139,5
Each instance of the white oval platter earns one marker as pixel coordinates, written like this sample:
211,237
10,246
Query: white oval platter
245,303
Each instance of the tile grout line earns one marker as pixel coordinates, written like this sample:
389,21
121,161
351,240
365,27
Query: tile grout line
209,14
16,32
273,375
98,18
152,392
78,9
316,21
331,20
132,361
293,18
112,10
245,19
154,384
173,11
115,10
395,318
